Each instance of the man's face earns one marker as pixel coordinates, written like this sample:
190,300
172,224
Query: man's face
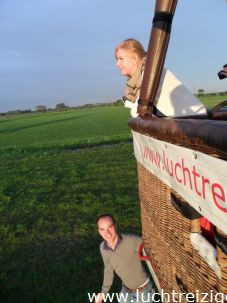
127,62
107,230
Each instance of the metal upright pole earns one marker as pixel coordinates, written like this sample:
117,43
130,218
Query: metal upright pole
157,48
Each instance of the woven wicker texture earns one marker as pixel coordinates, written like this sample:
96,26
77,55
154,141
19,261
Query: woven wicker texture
166,235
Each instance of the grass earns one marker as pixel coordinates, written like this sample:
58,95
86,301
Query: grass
71,129
51,193
64,128
211,101
49,205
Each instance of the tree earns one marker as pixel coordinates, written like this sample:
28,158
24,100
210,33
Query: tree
201,91
61,106
41,108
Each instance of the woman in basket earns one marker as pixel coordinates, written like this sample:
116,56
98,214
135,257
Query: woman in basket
172,99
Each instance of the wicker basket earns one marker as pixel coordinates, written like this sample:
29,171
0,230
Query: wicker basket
177,264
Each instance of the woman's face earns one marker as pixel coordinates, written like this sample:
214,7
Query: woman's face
127,62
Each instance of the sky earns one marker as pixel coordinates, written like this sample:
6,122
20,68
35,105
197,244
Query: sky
55,51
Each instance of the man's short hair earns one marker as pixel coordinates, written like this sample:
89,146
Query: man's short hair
105,216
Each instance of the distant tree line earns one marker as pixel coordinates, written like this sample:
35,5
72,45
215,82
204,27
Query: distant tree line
202,92
63,107
59,107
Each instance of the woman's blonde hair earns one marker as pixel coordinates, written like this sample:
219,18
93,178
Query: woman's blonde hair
133,46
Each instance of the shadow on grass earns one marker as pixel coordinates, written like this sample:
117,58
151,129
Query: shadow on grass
53,271
16,129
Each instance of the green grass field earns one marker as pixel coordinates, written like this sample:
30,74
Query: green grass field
64,128
49,203
212,100
58,172
51,193
72,128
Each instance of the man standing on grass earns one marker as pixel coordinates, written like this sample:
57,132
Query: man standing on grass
120,255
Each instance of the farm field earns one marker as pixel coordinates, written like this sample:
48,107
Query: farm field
64,129
212,100
75,128
49,203
52,191
58,172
